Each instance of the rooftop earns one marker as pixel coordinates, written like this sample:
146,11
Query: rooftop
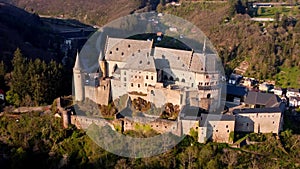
266,99
121,49
236,90
257,110
141,61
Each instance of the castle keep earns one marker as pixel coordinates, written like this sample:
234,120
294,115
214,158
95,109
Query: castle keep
156,74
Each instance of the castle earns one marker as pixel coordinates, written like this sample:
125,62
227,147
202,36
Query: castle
156,74
190,79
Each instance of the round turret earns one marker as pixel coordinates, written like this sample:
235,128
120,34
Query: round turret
78,77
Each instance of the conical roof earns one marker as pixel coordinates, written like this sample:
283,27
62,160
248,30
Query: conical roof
78,65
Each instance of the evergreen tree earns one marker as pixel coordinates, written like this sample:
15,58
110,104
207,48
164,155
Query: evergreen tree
18,86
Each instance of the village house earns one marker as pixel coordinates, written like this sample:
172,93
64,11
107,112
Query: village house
235,94
234,79
263,113
291,92
262,100
294,101
277,90
265,87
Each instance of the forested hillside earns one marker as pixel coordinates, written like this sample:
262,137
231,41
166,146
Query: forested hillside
20,29
37,140
94,12
271,48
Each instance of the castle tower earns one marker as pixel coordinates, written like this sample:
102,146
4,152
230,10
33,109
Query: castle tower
66,119
102,64
78,77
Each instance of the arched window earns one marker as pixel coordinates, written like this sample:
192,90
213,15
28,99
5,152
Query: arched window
208,95
171,78
183,80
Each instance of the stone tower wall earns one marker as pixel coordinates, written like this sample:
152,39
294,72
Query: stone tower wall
78,79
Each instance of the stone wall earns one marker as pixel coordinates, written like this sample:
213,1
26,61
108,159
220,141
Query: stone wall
187,125
78,85
101,94
221,130
259,122
83,122
159,125
160,96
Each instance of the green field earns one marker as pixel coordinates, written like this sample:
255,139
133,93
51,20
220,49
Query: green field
288,77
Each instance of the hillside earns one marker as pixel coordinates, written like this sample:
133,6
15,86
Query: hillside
38,140
37,37
17,28
95,12
269,47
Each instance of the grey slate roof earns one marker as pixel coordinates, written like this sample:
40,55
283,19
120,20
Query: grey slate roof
266,99
202,63
258,110
172,58
121,49
191,112
141,61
